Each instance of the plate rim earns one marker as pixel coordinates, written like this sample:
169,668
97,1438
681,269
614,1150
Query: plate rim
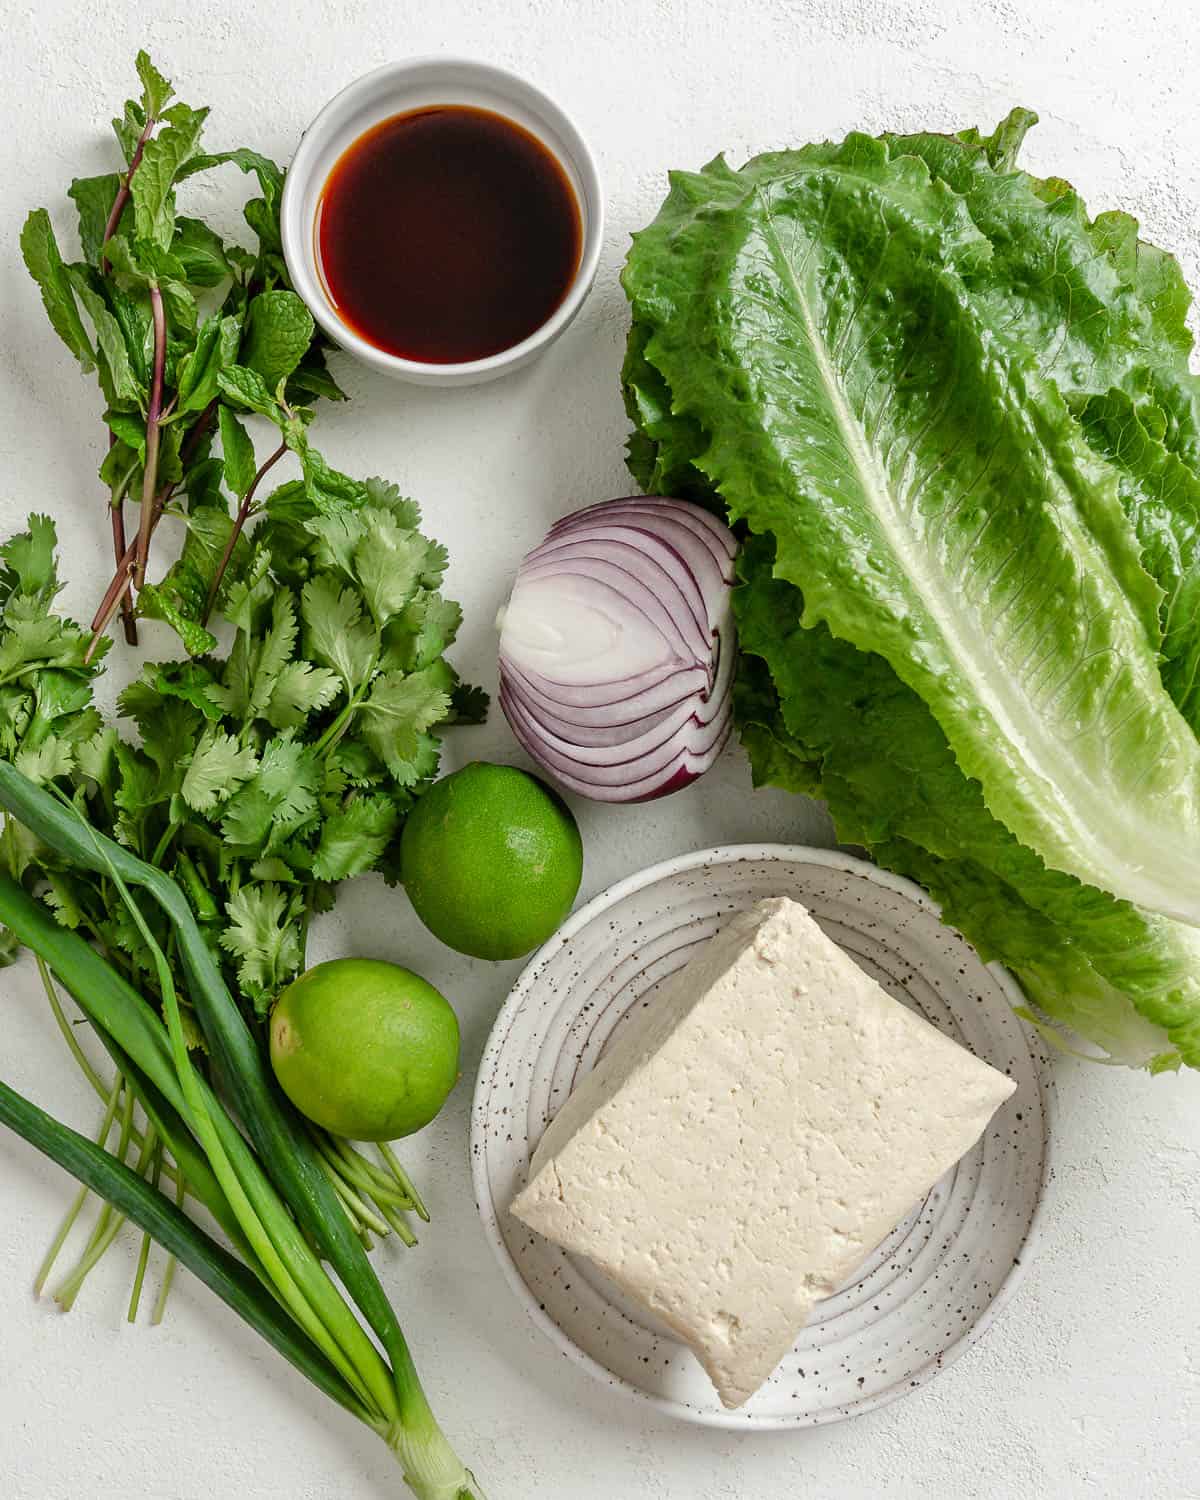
741,1420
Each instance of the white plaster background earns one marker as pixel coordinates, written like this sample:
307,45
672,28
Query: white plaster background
1090,1385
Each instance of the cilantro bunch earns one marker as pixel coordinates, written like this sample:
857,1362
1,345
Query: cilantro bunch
260,778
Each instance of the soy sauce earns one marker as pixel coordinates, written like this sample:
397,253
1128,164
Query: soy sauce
447,234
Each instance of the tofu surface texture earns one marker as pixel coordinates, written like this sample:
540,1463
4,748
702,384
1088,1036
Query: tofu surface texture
751,1137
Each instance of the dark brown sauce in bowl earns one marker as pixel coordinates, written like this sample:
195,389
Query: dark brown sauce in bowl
447,234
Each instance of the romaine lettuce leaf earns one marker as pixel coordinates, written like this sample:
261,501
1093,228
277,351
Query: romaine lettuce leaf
818,318
820,717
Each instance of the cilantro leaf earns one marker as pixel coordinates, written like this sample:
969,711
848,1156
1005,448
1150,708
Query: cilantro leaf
468,704
353,838
388,563
398,709
218,767
27,564
300,690
274,652
382,495
45,763
335,633
421,632
262,936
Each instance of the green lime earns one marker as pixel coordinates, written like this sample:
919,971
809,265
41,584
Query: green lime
491,859
365,1048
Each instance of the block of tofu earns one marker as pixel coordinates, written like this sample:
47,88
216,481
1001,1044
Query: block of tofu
751,1137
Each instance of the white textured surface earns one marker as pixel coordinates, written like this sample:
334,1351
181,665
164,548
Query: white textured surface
1090,1385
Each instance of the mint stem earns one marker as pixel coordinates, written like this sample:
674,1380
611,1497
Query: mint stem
122,198
118,501
153,417
245,510
122,581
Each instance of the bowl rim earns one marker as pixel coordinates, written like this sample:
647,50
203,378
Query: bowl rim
296,231
740,1420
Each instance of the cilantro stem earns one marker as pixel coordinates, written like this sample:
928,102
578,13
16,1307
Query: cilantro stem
335,731
245,511
116,510
153,418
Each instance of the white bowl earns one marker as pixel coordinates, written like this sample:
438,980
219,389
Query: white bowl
415,84
934,1284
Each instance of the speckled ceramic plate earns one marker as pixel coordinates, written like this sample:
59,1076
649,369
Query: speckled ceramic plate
938,1279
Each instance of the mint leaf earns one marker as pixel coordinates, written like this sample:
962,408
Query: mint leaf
183,314
153,182
247,388
278,333
270,177
311,378
218,768
39,250
94,198
326,487
237,451
127,127
200,251
199,368
399,708
116,370
155,88
154,603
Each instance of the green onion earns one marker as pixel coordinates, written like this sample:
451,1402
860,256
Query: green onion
272,1202
158,1216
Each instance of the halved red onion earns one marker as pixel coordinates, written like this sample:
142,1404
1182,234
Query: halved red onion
617,648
